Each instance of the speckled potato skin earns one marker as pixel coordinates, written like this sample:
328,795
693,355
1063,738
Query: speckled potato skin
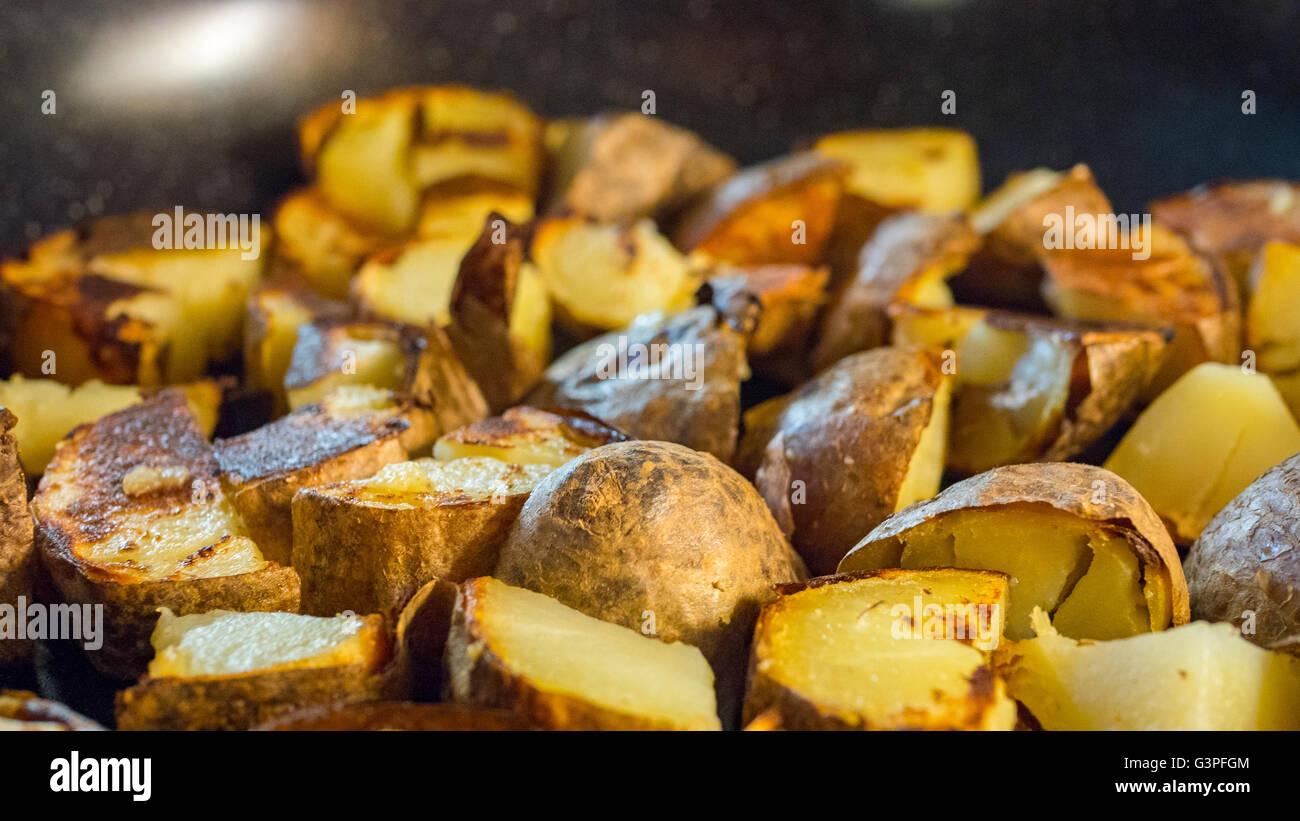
477,676
244,701
849,436
370,559
17,549
1248,559
636,530
1066,486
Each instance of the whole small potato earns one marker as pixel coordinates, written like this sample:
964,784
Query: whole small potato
659,538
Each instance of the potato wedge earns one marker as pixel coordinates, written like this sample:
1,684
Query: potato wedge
274,315
1076,540
862,440
779,212
20,710
17,550
1272,324
1196,677
1031,389
315,445
605,276
367,545
907,260
397,715
528,436
935,170
887,650
658,538
1240,427
623,167
130,515
790,296
322,244
221,670
675,379
560,669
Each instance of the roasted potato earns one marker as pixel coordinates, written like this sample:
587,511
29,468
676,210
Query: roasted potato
322,244
1202,442
315,445
560,669
1028,388
367,545
623,167
1245,566
675,379
790,296
1196,677
659,538
17,550
1076,540
935,170
528,436
779,212
221,670
274,315
130,515
1272,322
375,163
20,710
603,276
862,440
397,715
889,650
906,261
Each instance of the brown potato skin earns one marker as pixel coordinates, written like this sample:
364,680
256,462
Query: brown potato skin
1248,559
421,631
398,715
18,560
477,676
370,559
848,435
21,705
1065,486
653,526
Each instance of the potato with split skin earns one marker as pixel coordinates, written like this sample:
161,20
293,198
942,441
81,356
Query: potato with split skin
779,212
907,260
851,652
861,441
17,550
658,538
1245,566
1029,388
559,669
1076,540
673,378
131,515
625,166
221,670
1200,676
1202,442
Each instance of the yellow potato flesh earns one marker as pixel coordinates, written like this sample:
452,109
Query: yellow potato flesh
933,169
365,170
378,363
925,471
1273,321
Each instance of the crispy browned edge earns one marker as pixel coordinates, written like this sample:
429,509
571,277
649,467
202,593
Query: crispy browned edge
789,296
1247,560
477,676
18,560
1065,486
20,705
578,426
772,705
851,447
398,715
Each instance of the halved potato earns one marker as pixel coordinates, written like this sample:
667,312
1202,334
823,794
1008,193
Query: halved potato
130,515
1199,676
220,670
1076,540
623,167
907,260
528,436
604,276
275,313
889,650
1028,388
781,211
20,710
367,545
1202,442
935,170
17,550
322,244
861,441
673,378
563,670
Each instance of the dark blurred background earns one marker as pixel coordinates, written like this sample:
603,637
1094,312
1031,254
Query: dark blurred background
164,103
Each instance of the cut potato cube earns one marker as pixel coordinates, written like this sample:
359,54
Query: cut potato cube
1203,441
320,243
412,283
271,331
1200,676
561,669
889,650
931,169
